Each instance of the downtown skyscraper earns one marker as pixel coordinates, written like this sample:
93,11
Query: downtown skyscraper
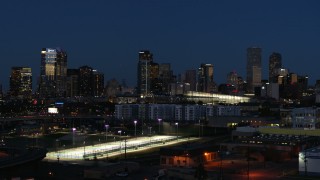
21,82
86,81
53,73
144,73
253,68
275,64
205,78
232,78
73,82
191,78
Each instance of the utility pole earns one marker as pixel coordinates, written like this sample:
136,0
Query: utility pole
305,157
221,162
125,149
248,170
199,128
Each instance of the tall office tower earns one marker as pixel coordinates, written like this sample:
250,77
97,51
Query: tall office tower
85,81
205,78
21,82
61,73
241,84
253,68
303,82
155,84
191,78
165,76
292,78
53,73
112,88
294,86
98,83
144,72
73,82
1,92
232,78
282,76
275,64
317,91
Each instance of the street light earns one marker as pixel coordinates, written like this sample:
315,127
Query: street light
159,124
73,132
135,128
177,124
57,149
120,141
142,127
84,149
150,130
199,127
107,127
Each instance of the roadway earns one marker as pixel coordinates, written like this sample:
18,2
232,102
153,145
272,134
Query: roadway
110,149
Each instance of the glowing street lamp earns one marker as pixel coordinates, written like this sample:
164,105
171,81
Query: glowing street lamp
135,128
120,141
159,124
107,127
73,133
142,127
84,149
57,149
177,124
150,130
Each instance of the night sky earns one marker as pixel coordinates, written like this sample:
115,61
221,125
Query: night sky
107,35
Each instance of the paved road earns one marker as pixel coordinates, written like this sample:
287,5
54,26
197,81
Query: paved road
104,150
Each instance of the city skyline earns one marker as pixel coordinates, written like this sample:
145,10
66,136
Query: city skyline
183,33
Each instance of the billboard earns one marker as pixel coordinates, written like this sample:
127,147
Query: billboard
53,110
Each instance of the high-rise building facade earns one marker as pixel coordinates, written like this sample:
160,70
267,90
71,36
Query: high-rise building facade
253,68
155,83
165,77
1,92
317,91
282,76
73,82
191,78
21,82
113,88
205,78
232,78
61,72
53,73
144,72
86,81
98,83
275,63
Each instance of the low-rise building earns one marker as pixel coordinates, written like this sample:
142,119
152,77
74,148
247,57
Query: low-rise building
309,161
183,156
306,117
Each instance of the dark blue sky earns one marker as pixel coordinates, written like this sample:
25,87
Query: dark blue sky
107,35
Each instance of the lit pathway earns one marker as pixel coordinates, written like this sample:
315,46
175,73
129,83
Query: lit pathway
114,148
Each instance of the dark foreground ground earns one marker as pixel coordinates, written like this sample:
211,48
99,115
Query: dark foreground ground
73,171
232,168
228,169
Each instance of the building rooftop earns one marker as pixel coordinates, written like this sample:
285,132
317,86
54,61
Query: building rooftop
313,151
190,149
